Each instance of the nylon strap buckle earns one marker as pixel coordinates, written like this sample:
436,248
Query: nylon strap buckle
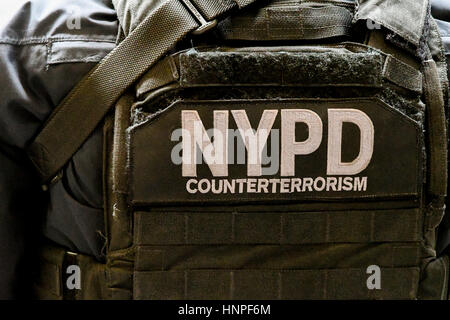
205,25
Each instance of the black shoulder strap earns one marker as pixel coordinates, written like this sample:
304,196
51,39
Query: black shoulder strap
83,109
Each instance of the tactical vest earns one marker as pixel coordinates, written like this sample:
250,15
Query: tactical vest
297,151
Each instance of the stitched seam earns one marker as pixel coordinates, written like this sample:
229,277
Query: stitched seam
68,60
85,59
36,41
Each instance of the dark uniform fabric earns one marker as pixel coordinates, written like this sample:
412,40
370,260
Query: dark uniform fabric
41,58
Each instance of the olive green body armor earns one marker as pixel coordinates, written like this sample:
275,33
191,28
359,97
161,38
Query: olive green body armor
298,151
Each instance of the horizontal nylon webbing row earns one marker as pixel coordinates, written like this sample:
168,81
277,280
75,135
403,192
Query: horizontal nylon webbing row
266,284
289,22
276,257
171,228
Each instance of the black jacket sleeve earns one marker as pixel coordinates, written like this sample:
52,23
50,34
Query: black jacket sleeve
46,47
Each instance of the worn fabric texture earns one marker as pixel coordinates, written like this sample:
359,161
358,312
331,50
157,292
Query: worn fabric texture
405,18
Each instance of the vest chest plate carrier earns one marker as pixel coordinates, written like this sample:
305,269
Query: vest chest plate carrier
289,156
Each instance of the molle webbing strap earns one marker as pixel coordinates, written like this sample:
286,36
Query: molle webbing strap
83,109
173,228
275,257
397,283
437,132
292,22
402,74
330,283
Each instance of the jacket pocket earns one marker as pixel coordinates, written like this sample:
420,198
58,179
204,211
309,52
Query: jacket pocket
72,51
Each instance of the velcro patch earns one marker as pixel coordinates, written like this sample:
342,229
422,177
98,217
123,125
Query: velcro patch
275,150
